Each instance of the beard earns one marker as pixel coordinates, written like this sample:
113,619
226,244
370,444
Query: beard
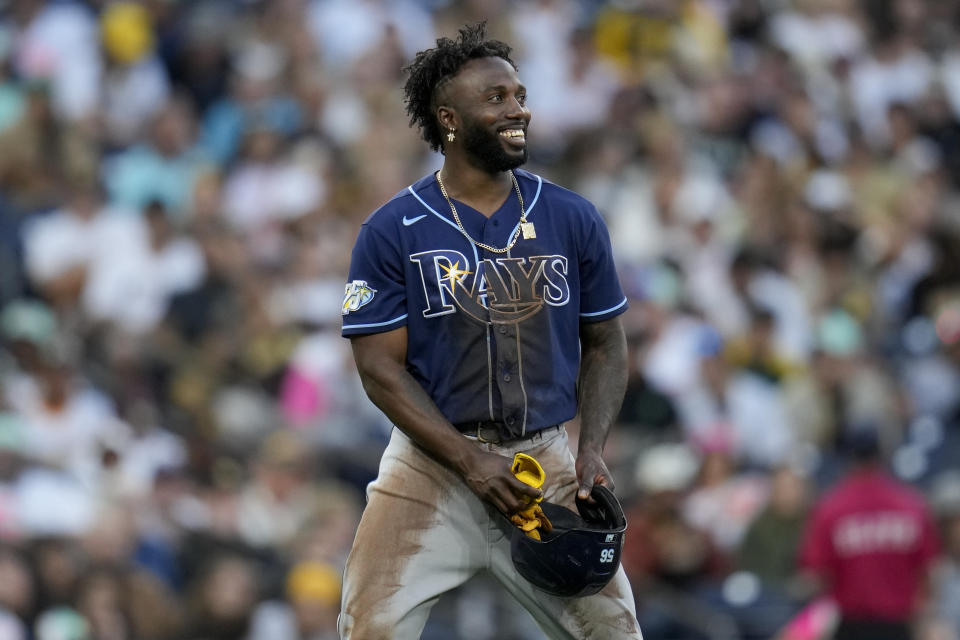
486,150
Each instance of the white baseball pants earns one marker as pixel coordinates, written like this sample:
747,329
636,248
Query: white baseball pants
424,533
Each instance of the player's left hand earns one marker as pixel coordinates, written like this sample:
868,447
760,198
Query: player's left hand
591,470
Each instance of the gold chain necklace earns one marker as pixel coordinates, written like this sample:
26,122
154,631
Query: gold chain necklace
526,227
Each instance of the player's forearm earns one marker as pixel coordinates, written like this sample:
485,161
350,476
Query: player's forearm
603,381
403,400
395,392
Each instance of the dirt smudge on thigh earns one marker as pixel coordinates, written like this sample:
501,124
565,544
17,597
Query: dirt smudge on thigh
403,504
599,617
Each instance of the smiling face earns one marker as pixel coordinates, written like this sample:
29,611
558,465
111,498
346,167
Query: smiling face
486,104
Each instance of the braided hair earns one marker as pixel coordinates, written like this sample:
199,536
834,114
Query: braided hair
431,68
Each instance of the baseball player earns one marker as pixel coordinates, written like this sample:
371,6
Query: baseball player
482,307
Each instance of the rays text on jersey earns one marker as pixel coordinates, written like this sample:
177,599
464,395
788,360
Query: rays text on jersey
497,291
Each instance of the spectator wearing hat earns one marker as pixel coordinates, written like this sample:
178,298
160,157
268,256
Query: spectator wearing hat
135,83
871,541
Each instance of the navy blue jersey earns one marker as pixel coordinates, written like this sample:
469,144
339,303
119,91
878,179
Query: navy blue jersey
491,336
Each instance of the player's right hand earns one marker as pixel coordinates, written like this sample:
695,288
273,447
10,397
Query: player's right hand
489,476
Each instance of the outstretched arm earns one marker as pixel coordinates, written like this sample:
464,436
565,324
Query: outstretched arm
602,383
381,361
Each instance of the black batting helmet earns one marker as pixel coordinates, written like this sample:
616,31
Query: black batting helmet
582,553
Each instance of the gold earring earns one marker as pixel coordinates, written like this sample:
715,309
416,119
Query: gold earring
450,136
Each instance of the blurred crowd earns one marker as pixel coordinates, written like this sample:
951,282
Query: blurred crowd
184,442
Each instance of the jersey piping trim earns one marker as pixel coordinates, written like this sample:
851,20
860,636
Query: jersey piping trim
600,313
429,208
533,203
375,324
536,196
490,374
523,389
476,257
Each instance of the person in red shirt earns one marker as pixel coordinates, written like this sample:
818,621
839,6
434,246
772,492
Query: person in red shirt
871,540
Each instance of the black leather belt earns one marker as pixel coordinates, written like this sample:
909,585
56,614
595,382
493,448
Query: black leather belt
494,432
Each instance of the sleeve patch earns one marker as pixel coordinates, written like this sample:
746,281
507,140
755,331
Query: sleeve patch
357,294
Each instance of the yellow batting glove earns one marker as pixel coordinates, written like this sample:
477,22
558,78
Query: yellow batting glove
531,519
528,471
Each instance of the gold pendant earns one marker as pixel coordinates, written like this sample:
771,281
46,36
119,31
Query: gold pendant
529,233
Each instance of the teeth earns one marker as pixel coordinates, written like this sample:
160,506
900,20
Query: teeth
513,133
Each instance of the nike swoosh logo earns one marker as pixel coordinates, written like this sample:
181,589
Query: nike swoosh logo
409,221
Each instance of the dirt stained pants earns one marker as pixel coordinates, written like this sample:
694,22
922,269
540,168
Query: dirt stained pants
424,532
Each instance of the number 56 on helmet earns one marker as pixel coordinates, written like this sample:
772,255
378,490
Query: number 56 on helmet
582,553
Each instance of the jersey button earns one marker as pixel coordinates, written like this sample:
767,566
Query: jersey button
502,329
506,377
